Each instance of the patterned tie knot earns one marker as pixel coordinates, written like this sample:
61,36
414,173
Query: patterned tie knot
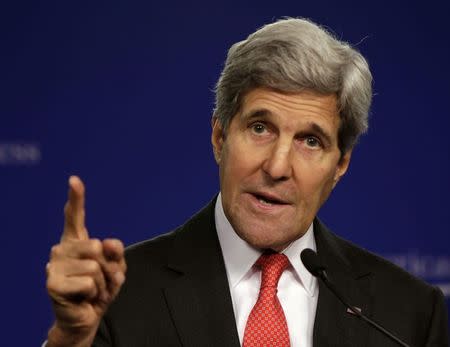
272,266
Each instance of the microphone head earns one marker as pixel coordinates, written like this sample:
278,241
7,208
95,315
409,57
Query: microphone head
312,262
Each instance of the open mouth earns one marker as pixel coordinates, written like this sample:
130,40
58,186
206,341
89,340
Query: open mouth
268,201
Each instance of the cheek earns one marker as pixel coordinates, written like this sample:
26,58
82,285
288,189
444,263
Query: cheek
238,161
232,169
326,185
316,182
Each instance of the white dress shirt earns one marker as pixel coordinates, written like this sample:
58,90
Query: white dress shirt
297,289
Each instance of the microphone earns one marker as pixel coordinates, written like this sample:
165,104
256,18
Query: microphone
317,269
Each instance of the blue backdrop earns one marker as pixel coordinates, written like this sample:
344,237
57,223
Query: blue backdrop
120,94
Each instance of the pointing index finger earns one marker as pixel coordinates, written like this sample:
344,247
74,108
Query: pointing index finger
74,226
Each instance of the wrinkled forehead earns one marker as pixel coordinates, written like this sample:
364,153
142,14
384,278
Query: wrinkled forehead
265,101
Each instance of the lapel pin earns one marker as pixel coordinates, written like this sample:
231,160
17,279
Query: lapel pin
355,308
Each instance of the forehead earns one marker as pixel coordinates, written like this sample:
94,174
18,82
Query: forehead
306,102
292,109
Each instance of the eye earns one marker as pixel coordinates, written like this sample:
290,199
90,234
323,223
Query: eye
313,142
258,128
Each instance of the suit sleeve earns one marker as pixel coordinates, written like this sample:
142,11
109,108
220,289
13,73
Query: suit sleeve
438,327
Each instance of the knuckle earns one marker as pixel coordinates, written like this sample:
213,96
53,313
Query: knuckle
49,287
52,285
48,268
124,266
86,283
118,244
92,266
49,284
112,267
89,284
55,251
95,246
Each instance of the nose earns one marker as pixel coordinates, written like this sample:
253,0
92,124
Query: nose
278,164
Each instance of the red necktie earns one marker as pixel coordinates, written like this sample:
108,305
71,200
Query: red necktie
266,324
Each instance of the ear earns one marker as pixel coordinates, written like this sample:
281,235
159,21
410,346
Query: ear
217,138
342,167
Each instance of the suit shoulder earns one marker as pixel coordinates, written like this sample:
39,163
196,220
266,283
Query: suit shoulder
382,269
397,295
158,247
151,249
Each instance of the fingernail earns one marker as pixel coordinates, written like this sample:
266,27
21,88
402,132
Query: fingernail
120,278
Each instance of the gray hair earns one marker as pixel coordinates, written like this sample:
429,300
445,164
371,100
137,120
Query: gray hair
292,55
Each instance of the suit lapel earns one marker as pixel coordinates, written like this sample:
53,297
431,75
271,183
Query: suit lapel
199,300
200,303
334,326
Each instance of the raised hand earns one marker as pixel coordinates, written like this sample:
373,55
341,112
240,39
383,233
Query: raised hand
83,275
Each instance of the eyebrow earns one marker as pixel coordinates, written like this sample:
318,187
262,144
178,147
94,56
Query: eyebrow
258,113
311,126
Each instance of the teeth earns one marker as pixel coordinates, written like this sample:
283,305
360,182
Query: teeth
264,202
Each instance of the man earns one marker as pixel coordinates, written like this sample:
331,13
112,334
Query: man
291,104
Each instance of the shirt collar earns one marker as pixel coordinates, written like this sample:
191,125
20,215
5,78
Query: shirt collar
239,256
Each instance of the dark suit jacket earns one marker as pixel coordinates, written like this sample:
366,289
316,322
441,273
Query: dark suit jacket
177,294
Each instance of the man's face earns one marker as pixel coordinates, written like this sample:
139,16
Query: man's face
279,160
